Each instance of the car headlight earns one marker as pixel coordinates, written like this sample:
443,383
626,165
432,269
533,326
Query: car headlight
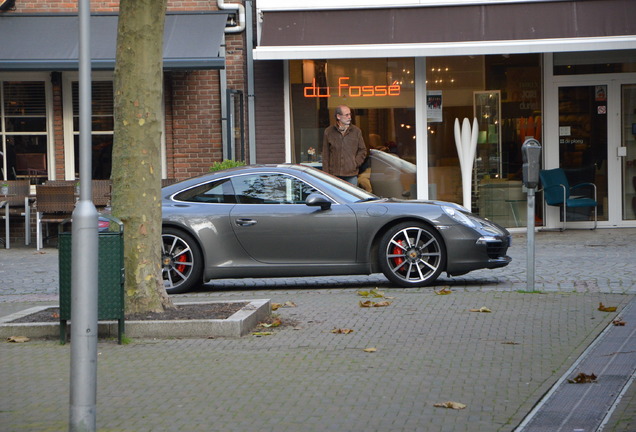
459,216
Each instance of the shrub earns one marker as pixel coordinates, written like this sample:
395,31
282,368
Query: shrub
227,163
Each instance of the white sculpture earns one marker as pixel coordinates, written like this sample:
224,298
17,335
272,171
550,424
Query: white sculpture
466,142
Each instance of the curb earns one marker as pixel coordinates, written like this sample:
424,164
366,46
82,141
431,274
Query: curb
237,325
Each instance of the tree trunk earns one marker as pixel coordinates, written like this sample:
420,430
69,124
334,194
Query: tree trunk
136,169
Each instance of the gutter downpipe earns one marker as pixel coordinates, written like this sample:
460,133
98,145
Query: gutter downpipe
240,11
251,106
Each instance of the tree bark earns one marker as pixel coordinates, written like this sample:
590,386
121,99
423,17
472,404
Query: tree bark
136,172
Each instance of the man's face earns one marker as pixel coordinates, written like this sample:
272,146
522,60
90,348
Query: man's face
345,117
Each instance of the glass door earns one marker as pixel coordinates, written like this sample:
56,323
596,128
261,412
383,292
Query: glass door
583,143
627,151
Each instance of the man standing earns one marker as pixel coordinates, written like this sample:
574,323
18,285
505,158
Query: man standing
343,149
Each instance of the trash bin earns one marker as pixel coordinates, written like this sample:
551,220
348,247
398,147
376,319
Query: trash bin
110,298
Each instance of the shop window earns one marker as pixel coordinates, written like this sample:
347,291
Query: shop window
24,131
504,93
102,125
594,62
381,95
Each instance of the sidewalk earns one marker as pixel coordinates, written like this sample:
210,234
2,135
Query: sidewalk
429,349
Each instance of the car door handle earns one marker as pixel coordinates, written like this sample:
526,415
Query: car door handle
245,222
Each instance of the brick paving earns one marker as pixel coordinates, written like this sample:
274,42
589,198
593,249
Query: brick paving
429,349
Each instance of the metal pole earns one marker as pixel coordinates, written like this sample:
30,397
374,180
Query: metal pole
84,251
530,253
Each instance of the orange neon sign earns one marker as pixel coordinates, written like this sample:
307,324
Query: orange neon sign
344,89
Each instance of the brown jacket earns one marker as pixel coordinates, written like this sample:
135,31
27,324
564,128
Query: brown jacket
342,155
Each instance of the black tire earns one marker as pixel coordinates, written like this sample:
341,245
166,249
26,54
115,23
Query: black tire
181,261
412,254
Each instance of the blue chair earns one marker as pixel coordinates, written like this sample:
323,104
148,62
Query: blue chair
557,192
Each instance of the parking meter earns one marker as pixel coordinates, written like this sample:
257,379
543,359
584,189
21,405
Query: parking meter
531,152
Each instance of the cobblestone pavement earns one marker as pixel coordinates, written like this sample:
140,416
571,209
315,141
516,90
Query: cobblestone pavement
429,349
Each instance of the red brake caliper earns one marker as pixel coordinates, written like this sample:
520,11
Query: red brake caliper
181,258
396,251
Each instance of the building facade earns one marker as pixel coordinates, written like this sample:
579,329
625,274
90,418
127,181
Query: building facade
562,72
259,81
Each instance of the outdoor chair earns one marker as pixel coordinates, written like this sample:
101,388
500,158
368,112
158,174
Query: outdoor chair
19,205
557,192
101,193
53,204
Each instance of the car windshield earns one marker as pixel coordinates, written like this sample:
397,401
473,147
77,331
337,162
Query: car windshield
345,191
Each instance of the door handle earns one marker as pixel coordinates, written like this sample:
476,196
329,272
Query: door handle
245,222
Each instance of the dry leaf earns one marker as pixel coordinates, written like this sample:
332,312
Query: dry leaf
18,339
604,308
451,405
481,309
618,322
373,293
262,333
382,304
367,303
583,379
341,331
444,291
288,303
370,350
274,323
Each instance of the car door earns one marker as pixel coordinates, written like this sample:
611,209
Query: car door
275,226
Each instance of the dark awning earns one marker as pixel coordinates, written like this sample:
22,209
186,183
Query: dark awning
51,42
532,26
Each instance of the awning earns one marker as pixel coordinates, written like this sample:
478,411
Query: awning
51,42
448,30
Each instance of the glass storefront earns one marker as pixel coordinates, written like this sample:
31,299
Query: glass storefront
502,91
381,94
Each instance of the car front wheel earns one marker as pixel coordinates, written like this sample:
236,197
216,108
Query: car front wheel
181,261
412,254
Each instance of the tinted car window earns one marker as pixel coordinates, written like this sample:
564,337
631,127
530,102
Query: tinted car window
219,191
270,189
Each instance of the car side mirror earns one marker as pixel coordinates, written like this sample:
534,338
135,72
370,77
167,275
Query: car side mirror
318,200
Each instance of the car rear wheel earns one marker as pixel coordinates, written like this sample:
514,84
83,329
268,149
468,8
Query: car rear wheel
412,254
181,261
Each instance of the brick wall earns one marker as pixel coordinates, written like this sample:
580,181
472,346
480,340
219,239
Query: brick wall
192,99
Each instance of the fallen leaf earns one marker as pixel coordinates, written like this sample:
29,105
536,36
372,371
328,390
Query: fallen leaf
262,333
382,304
604,308
341,331
618,322
370,303
274,323
444,291
288,303
481,309
510,343
373,293
370,350
18,339
451,405
583,379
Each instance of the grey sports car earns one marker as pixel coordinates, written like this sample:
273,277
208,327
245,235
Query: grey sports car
295,220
